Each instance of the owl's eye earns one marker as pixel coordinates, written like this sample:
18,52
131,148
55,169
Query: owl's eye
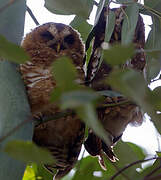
69,39
47,35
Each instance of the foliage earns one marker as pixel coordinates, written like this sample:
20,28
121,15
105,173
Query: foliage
83,100
14,107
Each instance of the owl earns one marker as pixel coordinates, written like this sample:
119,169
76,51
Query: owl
63,136
116,112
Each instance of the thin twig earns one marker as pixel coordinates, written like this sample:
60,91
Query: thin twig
32,16
124,175
151,173
116,104
15,129
158,177
130,165
56,116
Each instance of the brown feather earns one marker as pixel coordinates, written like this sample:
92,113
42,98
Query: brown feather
62,136
116,117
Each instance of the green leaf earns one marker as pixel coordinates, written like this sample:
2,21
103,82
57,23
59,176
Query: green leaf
133,85
109,26
64,77
127,82
129,23
154,37
28,152
154,53
137,150
12,52
12,20
157,94
77,98
88,114
153,167
118,54
82,26
14,110
81,8
154,4
56,94
154,44
153,68
81,101
159,153
123,150
65,74
87,167
36,172
42,173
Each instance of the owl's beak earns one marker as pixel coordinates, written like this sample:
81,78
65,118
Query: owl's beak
58,48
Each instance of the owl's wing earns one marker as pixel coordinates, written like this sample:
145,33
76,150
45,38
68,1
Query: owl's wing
116,117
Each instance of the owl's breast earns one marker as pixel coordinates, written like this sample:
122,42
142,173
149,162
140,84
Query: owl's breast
39,84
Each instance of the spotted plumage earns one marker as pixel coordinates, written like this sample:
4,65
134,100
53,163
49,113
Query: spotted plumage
62,136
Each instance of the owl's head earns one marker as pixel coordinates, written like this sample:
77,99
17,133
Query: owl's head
50,41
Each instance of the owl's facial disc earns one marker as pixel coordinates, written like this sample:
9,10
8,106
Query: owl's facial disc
58,37
60,44
47,36
69,39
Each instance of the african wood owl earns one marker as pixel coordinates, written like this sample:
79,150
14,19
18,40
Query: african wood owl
114,113
63,136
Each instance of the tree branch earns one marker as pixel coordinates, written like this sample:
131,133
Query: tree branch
32,16
130,165
56,116
158,177
151,173
124,175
